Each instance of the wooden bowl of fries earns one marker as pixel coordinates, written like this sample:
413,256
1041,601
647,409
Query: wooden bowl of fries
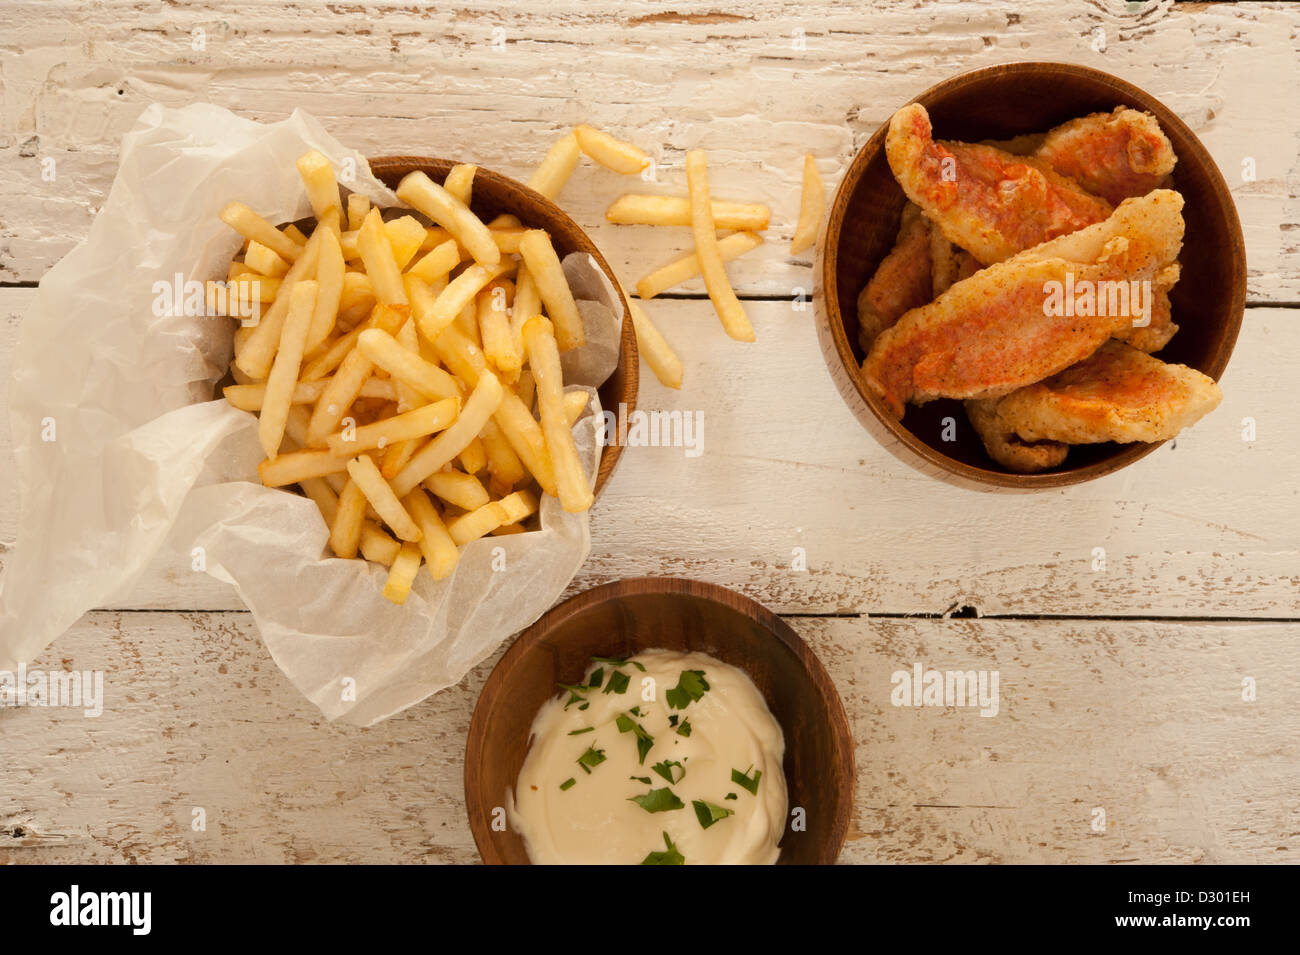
622,619
495,194
1001,103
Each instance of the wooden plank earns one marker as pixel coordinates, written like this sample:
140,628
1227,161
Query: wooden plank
758,87
1143,720
1208,526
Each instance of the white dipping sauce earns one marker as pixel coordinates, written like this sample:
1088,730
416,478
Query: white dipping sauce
593,821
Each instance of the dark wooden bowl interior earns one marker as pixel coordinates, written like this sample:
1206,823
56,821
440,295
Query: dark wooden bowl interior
494,195
997,103
626,617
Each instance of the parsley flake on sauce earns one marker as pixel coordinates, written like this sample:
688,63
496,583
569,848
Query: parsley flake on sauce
644,741
658,800
707,813
669,857
691,685
745,780
591,758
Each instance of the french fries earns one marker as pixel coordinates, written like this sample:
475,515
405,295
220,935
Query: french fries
654,348
734,320
544,266
384,362
674,210
442,207
544,358
688,266
812,203
555,170
610,152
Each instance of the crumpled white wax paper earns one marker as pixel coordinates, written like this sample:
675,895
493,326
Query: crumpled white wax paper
121,451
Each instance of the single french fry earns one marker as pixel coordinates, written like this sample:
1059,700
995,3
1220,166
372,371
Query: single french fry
396,456
256,229
812,205
654,348
278,395
424,296
318,176
401,575
294,233
421,192
730,311
376,545
502,462
506,530
544,266
574,491
293,466
405,234
426,420
406,366
262,259
493,306
633,209
467,322
474,458
323,496
455,487
338,396
358,207
688,266
610,152
482,402
436,544
508,240
345,532
575,403
477,523
437,263
381,265
561,159
357,290
335,351
460,182
329,281
458,295
379,493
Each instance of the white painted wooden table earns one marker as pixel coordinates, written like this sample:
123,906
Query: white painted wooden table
1121,688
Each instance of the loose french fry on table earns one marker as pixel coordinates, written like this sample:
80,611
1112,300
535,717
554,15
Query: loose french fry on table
812,204
730,311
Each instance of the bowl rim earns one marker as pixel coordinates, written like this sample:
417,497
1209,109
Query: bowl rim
628,357
833,314
775,625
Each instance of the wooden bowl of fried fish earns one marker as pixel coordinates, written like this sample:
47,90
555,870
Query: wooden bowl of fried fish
1198,299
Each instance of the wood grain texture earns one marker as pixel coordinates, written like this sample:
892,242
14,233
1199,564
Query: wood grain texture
1208,525
1144,720
757,86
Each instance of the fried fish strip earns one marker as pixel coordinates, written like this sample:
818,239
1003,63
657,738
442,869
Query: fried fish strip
1005,446
987,201
996,331
1114,155
902,280
1116,394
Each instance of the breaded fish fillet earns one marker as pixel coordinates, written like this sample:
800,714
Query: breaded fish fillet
1005,446
989,202
1114,155
1116,394
995,331
901,282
